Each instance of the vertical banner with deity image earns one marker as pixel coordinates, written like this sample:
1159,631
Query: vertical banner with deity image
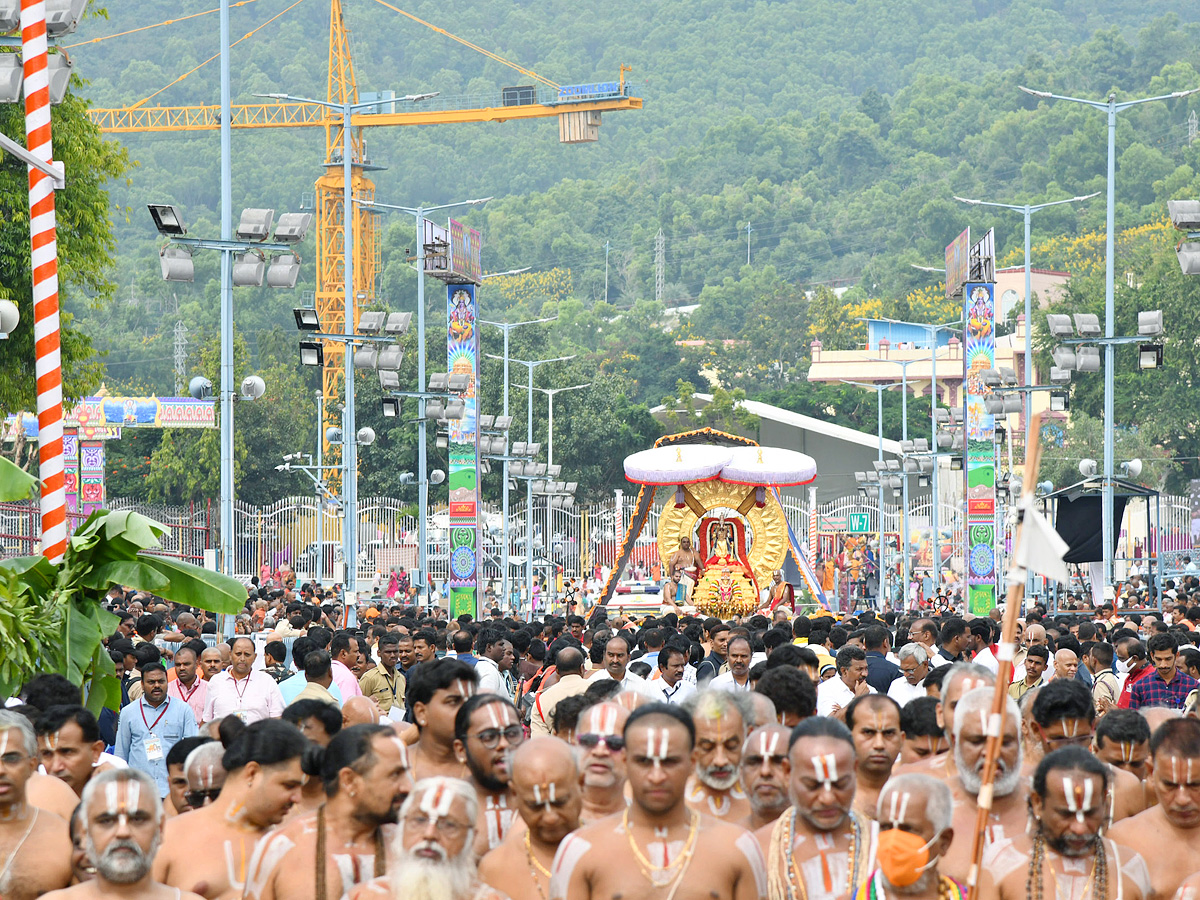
462,358
980,447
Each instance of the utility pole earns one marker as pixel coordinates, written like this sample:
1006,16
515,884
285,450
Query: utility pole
660,258
749,229
181,342
606,249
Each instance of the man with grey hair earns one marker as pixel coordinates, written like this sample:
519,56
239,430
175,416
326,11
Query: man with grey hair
721,721
914,666
961,679
915,831
434,859
34,843
968,741
121,819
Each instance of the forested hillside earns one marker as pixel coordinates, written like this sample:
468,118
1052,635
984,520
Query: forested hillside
839,131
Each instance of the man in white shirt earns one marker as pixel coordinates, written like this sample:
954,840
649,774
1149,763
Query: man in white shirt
493,649
672,666
914,666
849,682
737,679
243,691
616,661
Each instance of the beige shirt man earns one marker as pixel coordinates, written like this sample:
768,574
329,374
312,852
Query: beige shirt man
569,665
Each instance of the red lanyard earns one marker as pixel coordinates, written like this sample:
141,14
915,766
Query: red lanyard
142,710
242,693
187,698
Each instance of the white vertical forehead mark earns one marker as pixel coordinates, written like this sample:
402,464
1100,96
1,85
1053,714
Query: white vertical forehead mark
1126,751
110,798
767,747
52,740
537,794
1074,729
133,793
899,807
436,802
4,741
403,748
552,792
465,687
657,744
602,720
492,717
825,768
1174,765
1189,770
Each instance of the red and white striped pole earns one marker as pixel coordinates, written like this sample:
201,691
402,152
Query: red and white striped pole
44,246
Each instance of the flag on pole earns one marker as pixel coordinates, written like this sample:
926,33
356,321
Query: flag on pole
1042,548
802,563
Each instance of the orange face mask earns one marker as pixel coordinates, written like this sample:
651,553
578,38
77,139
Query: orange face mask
903,856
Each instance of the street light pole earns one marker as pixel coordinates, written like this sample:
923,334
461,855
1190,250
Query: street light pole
530,365
227,374
506,327
550,392
878,389
1111,107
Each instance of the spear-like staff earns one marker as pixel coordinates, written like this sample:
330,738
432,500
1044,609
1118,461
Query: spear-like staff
1038,547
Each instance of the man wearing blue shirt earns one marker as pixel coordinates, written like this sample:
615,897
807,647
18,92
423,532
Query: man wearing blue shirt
151,725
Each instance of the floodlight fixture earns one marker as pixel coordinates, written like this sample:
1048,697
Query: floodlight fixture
519,448
284,271
1188,253
167,219
307,318
533,449
860,477
390,358
397,323
12,73
176,263
906,446
922,480
1059,326
990,377
366,357
1150,323
1185,214
458,382
370,321
893,465
1087,324
437,382
879,464
456,409
941,415
248,269
200,388
1059,375
292,227
442,441
1064,358
921,445
1150,356
435,409
58,72
389,380
993,405
253,387
255,224
1059,401
944,440
956,463
1007,375
10,15
62,16
312,353
1012,403
910,466
391,408
503,423
553,470
1087,359
485,422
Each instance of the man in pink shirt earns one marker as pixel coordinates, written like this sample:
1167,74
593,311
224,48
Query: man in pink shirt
344,650
188,686
243,691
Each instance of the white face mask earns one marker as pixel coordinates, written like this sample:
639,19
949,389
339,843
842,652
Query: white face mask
1123,666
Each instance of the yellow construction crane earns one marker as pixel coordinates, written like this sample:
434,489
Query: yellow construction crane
578,109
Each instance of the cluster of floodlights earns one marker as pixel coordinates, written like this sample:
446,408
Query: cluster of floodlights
443,400
250,263
1085,358
381,357
62,18
949,432
493,439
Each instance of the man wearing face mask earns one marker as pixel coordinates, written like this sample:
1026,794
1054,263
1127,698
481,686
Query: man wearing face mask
914,815
819,848
1132,666
1065,854
968,745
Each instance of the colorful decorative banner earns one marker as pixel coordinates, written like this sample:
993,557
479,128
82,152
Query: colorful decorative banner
462,358
980,469
71,468
91,476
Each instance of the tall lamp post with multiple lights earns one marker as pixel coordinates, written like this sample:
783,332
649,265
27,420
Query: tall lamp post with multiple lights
1110,107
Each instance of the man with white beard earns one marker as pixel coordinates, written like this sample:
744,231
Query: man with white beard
122,829
716,789
435,860
968,741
